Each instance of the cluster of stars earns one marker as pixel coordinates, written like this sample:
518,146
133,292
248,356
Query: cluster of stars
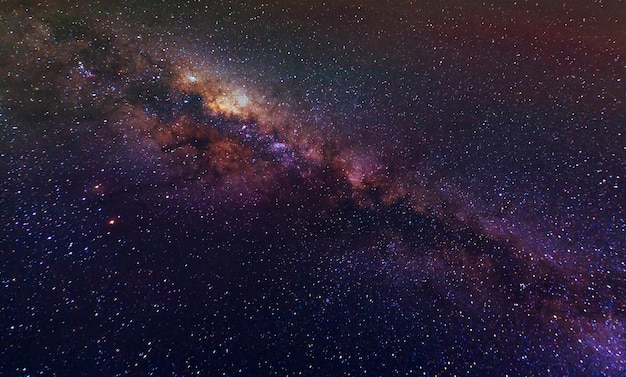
335,188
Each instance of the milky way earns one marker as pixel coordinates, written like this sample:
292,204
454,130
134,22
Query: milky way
412,188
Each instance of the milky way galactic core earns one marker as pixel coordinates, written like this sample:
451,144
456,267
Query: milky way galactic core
277,188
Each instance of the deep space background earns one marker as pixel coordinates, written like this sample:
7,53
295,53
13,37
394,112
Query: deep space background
313,188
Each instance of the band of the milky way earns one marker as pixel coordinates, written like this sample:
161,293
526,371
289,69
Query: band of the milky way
288,188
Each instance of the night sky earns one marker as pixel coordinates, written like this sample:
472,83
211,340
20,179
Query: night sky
313,188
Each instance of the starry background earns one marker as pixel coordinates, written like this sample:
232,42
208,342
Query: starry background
328,188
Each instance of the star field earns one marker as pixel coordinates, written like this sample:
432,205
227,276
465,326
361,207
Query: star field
276,188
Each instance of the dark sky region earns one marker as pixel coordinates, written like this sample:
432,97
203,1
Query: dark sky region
313,188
